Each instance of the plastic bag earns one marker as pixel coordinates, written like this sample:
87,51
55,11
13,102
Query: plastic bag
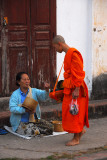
74,108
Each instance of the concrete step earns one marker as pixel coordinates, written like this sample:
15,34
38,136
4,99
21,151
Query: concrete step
4,103
97,109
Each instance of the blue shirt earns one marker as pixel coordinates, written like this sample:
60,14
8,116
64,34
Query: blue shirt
17,111
25,116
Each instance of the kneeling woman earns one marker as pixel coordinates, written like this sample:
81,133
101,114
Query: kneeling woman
20,115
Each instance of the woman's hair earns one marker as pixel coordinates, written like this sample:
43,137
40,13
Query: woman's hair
19,76
57,39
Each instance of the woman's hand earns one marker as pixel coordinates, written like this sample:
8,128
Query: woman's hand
47,86
75,93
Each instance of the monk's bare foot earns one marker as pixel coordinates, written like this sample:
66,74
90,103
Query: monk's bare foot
81,133
73,142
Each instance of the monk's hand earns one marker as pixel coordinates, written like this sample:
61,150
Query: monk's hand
47,86
75,93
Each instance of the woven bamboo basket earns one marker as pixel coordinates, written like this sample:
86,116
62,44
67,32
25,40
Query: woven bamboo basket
57,126
30,103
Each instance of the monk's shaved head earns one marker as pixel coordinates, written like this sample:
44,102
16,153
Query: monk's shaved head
58,39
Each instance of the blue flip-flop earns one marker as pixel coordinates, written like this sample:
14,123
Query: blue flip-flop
3,131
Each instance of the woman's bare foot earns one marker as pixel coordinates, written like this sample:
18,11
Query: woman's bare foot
81,133
73,142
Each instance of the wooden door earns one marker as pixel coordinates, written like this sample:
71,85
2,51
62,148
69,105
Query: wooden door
16,41
0,54
43,28
26,42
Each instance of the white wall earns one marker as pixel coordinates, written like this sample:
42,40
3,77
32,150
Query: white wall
74,23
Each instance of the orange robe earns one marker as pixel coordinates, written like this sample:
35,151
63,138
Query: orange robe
74,77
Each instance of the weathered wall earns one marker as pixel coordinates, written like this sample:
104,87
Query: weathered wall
99,37
99,49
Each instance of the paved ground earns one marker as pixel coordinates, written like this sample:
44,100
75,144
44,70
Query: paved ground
101,155
95,140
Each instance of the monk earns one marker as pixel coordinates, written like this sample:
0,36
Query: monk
74,88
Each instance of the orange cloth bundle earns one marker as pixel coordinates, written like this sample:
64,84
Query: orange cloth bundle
57,95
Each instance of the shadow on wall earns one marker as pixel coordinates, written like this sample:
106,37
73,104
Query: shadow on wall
99,87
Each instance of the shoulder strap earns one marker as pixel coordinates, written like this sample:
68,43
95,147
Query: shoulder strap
30,92
58,77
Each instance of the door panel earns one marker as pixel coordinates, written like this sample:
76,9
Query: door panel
0,53
43,57
16,11
42,11
18,46
43,67
17,61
